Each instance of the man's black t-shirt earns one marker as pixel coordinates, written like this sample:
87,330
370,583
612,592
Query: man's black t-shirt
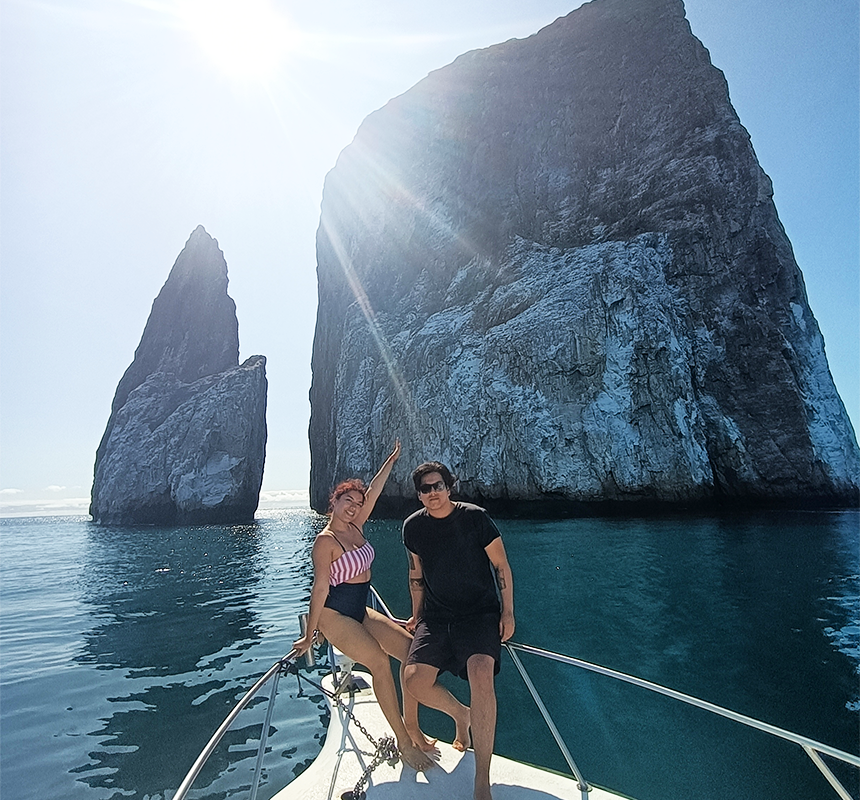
458,575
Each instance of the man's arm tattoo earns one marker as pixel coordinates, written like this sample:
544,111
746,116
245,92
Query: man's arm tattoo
500,577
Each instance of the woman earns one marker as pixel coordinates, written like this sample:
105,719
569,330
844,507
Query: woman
338,609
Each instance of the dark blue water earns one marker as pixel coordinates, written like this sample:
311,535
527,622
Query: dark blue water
121,650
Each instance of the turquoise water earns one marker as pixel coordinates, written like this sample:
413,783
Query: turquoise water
121,650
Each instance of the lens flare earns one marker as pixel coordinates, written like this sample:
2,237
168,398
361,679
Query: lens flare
245,39
400,386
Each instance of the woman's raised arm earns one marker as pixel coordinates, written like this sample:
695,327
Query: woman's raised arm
377,484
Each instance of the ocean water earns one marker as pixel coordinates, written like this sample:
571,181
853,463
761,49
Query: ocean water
121,650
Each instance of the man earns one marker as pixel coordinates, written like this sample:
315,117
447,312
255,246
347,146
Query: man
454,552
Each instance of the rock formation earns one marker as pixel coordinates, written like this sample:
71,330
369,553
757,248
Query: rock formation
555,264
186,438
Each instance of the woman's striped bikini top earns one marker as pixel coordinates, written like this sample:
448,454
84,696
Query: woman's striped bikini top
351,563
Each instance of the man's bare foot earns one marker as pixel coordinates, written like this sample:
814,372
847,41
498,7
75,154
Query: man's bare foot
483,792
463,736
415,758
422,741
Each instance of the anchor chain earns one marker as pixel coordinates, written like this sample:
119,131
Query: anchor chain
384,750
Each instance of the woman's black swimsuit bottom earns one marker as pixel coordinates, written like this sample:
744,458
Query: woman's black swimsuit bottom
349,599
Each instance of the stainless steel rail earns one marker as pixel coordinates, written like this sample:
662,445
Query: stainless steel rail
273,672
812,748
580,781
377,603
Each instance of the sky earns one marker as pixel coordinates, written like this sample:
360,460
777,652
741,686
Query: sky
124,124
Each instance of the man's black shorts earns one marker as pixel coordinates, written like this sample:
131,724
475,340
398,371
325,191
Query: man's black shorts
449,645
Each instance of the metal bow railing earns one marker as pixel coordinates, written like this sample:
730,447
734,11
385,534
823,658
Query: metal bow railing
273,674
812,748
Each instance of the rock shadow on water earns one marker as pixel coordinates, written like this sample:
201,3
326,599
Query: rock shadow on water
172,611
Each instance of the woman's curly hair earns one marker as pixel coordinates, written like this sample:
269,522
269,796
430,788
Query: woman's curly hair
352,485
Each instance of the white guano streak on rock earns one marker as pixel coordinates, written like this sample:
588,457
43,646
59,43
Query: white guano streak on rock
824,409
482,395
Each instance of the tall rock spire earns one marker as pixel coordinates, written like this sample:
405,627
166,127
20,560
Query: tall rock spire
186,437
556,265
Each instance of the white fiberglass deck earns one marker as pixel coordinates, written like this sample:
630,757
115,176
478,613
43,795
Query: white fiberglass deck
347,752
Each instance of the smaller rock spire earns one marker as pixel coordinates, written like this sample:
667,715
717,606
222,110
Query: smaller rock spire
186,438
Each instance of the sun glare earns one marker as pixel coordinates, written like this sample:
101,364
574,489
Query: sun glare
245,39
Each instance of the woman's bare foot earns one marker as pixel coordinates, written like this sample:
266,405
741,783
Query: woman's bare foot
463,736
415,758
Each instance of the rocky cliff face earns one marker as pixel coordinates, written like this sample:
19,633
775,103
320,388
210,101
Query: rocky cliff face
556,265
186,439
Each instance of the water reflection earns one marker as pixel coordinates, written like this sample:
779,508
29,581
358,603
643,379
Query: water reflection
756,613
304,565
173,613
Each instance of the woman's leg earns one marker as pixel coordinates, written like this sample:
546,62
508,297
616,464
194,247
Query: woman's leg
359,644
395,641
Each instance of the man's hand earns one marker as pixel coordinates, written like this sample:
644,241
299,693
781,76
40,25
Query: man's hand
506,626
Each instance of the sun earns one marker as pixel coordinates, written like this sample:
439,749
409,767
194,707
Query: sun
245,39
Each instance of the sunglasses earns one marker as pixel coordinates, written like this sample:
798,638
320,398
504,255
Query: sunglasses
426,488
